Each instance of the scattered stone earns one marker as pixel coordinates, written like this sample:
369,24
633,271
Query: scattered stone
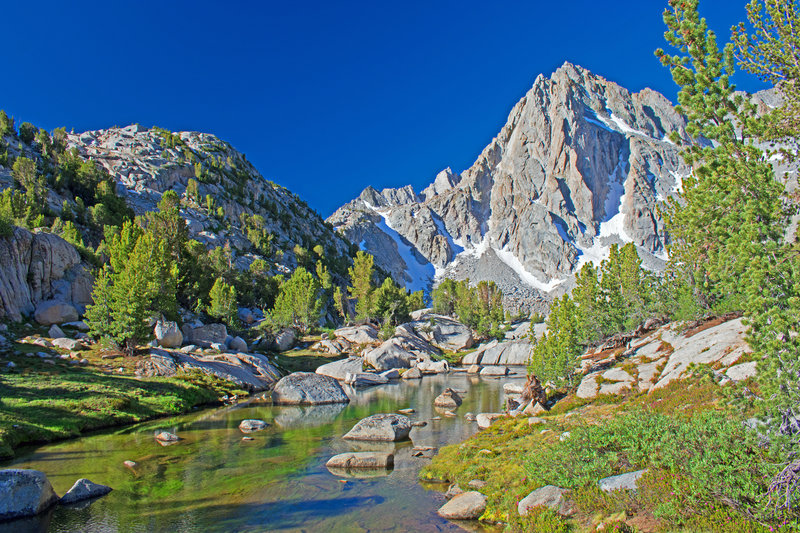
407,411
251,425
419,424
168,334
470,417
564,436
494,371
361,460
83,489
477,484
448,399
218,346
55,332
80,325
474,369
11,364
435,418
24,493
166,436
534,409
246,439
466,506
487,419
391,374
189,348
308,388
339,369
237,344
453,491
550,496
534,420
130,464
381,427
365,379
285,340
449,413
68,344
412,373
626,481
431,367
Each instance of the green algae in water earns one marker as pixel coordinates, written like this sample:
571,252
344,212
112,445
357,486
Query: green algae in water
213,480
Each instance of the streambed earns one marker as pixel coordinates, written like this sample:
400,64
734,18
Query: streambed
213,480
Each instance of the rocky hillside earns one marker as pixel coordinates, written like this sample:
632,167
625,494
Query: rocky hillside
149,161
225,201
581,163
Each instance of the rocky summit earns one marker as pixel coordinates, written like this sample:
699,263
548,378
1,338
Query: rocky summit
581,163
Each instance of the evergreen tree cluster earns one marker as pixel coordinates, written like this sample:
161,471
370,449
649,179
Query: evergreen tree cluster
479,307
617,296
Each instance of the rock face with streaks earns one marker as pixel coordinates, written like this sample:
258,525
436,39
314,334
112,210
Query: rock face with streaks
580,164
41,274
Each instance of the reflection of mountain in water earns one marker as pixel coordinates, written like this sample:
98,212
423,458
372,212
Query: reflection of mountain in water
307,416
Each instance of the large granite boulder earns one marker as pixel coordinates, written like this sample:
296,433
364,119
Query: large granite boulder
339,369
37,267
365,379
206,335
500,353
55,312
390,354
83,489
444,332
24,493
308,388
363,334
381,427
252,372
168,334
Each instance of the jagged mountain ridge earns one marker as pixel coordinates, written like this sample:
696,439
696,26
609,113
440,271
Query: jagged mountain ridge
581,163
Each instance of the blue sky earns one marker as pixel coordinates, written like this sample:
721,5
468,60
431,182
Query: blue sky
324,98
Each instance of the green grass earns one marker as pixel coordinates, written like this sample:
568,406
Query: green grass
302,360
42,403
706,471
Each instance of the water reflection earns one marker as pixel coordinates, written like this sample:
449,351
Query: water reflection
212,480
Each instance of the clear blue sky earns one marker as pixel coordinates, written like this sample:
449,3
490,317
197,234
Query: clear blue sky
324,98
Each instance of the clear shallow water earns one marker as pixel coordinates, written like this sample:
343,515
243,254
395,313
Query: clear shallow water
214,481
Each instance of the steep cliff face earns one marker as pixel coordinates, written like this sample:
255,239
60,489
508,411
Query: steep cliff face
36,267
580,164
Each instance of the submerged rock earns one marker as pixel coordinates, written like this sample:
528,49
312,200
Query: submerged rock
251,425
381,427
24,493
83,489
361,460
166,436
308,388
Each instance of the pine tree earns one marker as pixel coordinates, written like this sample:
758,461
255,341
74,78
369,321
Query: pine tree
361,287
223,302
298,303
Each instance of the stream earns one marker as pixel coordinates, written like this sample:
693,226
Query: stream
212,480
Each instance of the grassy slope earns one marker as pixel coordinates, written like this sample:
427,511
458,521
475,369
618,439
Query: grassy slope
700,469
